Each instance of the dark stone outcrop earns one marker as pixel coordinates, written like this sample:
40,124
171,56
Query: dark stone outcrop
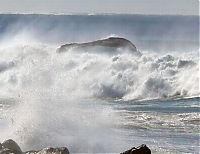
143,149
111,42
62,150
11,147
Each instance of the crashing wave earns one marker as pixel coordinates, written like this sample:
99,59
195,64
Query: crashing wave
89,74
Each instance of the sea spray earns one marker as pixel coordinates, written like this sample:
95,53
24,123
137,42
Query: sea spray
50,90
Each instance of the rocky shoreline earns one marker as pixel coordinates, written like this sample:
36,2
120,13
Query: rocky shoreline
11,147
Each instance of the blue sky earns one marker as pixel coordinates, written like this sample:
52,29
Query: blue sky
183,7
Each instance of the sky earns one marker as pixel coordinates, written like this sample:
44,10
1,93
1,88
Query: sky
161,7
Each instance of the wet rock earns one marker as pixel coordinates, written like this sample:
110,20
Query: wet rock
62,150
8,151
143,149
111,42
10,146
31,152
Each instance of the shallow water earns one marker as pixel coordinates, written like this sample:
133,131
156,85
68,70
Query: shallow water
165,126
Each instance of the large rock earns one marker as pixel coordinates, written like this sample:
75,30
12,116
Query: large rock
10,146
62,150
113,43
143,149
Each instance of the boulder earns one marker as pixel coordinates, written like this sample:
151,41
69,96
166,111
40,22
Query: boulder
8,151
9,146
109,43
62,150
142,149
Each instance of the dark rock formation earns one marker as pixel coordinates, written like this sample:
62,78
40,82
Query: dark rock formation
62,150
143,149
112,42
10,146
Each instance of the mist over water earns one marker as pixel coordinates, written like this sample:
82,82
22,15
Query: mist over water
160,33
63,99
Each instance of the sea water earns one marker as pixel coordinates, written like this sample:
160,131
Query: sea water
96,102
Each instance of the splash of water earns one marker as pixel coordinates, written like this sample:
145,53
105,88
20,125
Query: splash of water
59,95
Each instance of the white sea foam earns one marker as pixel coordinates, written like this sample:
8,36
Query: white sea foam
49,86
120,76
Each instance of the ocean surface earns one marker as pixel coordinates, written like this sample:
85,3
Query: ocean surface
97,102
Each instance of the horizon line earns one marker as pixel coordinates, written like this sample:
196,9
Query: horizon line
94,14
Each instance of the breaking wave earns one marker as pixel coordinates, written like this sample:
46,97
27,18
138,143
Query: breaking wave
52,91
120,76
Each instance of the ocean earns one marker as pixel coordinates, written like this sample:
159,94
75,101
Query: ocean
94,101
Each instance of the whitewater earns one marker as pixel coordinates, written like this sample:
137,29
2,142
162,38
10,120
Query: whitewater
94,101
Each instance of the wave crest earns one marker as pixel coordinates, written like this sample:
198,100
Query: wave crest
119,76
